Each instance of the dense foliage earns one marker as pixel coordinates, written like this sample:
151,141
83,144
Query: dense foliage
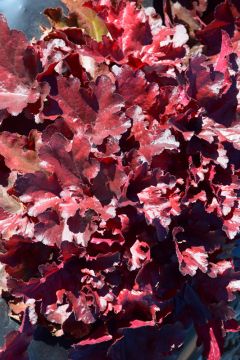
119,186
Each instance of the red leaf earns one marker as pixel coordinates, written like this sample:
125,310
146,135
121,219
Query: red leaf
18,87
160,202
152,137
78,109
214,353
110,121
192,259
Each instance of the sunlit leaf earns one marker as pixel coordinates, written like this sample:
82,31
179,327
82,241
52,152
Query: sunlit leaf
87,19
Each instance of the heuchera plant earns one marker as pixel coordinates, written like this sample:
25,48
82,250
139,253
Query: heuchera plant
120,157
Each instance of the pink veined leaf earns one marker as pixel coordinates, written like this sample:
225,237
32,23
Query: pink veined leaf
133,24
153,139
110,120
58,313
45,201
158,205
56,158
81,310
142,92
16,223
49,230
17,71
226,50
78,111
105,119
192,259
205,84
211,130
231,225
140,253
